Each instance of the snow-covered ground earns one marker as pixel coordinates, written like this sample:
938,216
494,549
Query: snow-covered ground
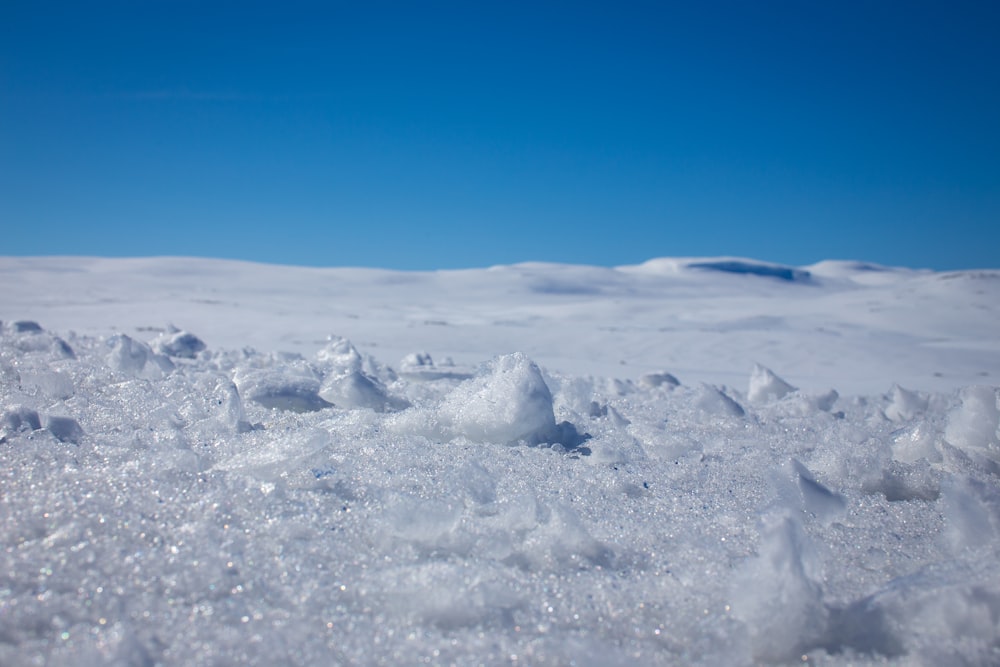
690,461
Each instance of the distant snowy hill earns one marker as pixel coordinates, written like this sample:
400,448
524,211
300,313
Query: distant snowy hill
851,326
702,461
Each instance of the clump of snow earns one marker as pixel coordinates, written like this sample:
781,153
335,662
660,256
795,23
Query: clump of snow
340,354
28,336
18,418
916,442
26,326
354,389
137,358
65,429
659,380
766,387
713,401
779,593
826,401
177,343
904,404
55,384
507,402
809,494
348,385
975,424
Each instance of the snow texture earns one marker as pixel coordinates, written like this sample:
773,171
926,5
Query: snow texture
167,499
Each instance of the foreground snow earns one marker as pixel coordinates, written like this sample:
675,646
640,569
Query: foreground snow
167,498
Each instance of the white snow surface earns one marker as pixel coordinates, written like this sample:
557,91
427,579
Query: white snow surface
695,461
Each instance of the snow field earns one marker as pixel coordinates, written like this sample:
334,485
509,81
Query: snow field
169,503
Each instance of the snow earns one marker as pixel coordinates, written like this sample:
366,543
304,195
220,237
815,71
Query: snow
766,387
507,402
692,461
975,424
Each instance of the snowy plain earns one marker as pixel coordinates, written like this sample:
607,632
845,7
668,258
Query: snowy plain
689,461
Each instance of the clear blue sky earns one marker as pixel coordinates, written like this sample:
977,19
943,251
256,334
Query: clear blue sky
423,135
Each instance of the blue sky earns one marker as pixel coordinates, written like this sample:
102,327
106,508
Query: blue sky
459,134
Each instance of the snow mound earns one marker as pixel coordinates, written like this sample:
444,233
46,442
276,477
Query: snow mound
137,358
716,402
29,337
177,343
766,387
347,383
354,389
507,402
974,426
663,379
904,404
339,354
